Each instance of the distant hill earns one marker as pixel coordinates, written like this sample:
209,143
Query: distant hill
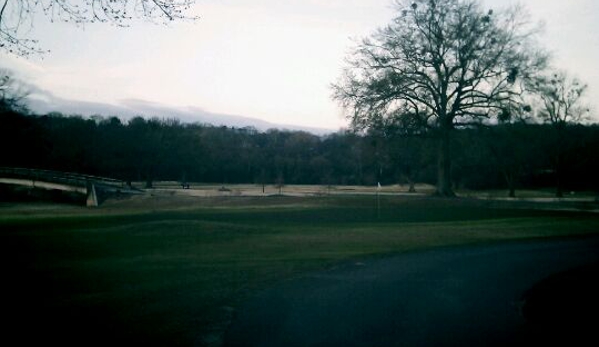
44,102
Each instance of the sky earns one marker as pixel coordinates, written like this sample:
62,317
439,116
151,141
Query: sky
269,59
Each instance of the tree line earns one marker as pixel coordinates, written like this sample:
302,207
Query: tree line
508,156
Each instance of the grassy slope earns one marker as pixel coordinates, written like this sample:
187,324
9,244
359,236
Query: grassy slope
172,274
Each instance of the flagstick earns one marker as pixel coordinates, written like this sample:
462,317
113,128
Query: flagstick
378,202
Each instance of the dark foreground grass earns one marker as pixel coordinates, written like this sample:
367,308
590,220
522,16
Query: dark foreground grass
173,274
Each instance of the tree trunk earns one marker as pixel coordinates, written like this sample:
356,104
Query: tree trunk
149,180
511,184
412,187
558,173
512,193
407,177
558,160
444,165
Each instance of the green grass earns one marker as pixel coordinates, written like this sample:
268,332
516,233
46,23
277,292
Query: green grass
173,273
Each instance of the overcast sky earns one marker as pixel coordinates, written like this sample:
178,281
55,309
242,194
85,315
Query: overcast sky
268,59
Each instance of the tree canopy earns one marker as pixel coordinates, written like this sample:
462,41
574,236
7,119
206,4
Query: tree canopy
440,64
17,16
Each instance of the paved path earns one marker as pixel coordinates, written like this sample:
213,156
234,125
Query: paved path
467,296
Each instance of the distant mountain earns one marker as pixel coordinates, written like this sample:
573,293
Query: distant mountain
42,102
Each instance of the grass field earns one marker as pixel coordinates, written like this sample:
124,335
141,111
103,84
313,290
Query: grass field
173,270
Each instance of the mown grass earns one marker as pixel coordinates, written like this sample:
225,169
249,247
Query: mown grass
174,274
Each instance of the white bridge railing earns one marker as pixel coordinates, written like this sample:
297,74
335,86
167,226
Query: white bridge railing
58,176
68,181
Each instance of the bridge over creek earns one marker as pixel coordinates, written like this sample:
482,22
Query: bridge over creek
87,185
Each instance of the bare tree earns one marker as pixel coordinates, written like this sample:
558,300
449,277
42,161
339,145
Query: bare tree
444,64
560,98
12,92
17,16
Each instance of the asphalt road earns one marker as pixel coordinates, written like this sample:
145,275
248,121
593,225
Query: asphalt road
466,296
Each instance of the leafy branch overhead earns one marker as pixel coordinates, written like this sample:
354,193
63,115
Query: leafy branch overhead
17,17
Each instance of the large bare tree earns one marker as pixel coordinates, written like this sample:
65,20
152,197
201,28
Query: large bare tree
442,64
17,17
